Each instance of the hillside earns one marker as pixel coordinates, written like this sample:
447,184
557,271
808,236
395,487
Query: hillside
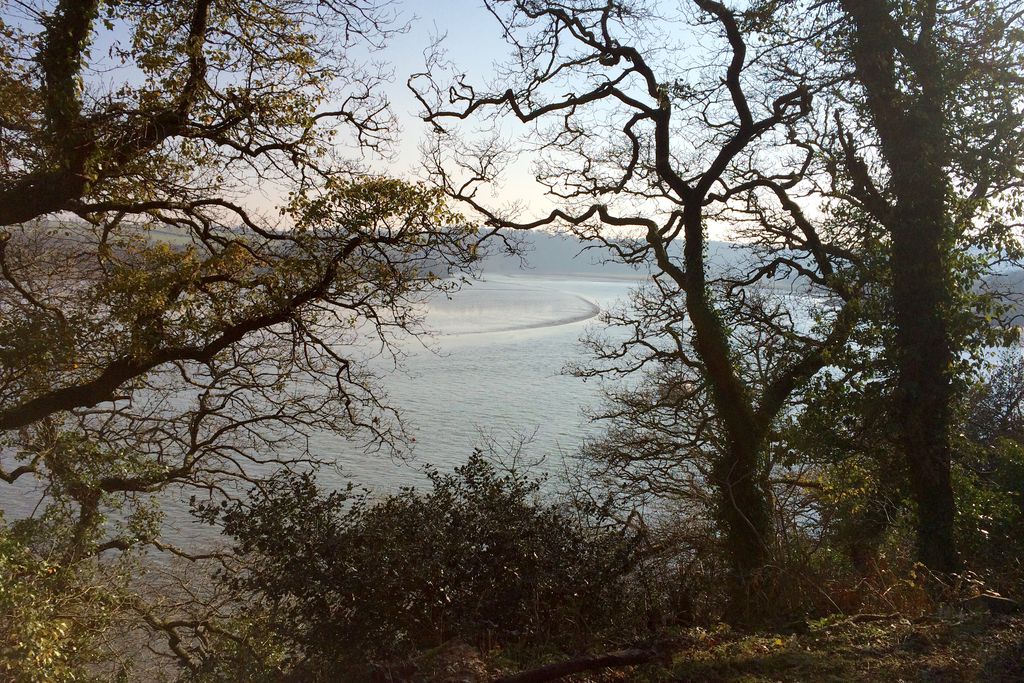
548,254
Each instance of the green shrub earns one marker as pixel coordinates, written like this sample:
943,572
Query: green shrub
347,579
54,617
989,484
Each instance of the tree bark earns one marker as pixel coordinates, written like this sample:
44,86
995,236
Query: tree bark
910,123
745,515
920,296
744,512
743,508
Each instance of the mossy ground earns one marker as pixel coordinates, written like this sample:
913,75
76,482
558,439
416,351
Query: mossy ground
968,647
971,648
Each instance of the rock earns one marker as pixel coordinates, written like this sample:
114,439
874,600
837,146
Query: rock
991,602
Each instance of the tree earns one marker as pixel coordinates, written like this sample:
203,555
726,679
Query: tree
159,327
932,147
53,616
644,141
915,106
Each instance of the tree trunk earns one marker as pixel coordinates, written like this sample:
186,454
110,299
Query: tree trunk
746,520
910,123
920,297
744,511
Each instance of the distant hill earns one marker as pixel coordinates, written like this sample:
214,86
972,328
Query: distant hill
548,254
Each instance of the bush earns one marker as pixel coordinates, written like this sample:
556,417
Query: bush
989,475
348,579
990,511
54,617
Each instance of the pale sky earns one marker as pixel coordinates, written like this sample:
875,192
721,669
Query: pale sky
473,43
475,46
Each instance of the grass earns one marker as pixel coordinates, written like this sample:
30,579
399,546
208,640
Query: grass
967,647
971,648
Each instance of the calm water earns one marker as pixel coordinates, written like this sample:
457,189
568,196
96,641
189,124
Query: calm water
494,370
494,367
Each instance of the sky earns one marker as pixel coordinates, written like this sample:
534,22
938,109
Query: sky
473,42
472,39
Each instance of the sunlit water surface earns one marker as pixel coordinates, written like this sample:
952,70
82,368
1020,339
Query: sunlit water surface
494,369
